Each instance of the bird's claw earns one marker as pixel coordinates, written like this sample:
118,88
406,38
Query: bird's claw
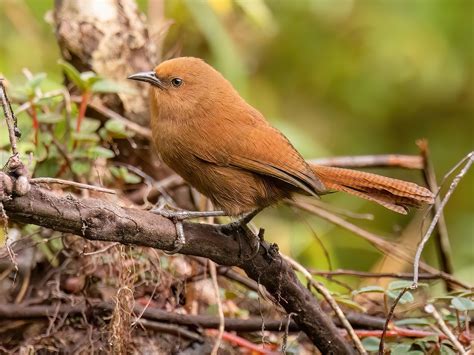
177,217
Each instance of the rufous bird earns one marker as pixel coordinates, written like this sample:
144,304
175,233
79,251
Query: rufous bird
226,149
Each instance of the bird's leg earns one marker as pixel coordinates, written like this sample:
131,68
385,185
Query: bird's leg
242,223
177,217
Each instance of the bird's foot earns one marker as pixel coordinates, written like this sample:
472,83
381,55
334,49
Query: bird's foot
254,240
177,217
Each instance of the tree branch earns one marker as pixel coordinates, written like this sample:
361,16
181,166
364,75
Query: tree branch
100,220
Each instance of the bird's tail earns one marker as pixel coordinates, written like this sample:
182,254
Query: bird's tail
396,195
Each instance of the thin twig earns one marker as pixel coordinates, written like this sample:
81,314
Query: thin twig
340,211
429,308
377,241
285,335
132,126
441,237
389,319
366,161
394,275
170,329
220,311
47,180
469,159
103,250
332,302
243,343
10,118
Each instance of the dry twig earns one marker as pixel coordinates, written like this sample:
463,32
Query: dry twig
332,302
377,241
442,238
48,180
389,319
10,118
429,308
372,161
468,160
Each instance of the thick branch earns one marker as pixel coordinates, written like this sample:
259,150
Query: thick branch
100,220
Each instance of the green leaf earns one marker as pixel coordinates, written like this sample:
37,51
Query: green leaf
406,298
350,303
368,289
400,349
371,343
100,152
48,167
412,321
89,78
106,86
36,80
123,173
80,168
132,178
50,117
446,350
424,342
401,284
116,129
88,125
462,304
85,137
73,74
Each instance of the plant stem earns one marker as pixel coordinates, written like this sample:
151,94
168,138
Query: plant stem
82,108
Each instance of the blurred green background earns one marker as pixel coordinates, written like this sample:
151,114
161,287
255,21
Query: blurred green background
341,77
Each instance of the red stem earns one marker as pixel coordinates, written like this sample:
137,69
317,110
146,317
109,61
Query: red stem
396,331
244,343
82,108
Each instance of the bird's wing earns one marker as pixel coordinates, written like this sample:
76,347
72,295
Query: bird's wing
258,147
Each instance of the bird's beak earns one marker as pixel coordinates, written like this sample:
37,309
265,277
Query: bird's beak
148,77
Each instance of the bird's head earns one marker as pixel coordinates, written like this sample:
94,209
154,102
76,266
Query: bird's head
183,85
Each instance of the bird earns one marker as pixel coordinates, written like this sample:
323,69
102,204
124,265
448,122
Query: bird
226,149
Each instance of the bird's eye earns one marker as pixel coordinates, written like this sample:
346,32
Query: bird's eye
176,82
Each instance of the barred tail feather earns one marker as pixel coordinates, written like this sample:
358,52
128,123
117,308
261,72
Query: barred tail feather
394,194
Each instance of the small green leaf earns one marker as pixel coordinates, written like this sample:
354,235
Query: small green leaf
88,125
73,74
400,349
349,303
116,129
462,304
412,321
368,289
85,137
424,342
132,178
371,343
122,173
406,298
100,152
401,284
36,80
80,168
446,350
50,117
90,78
